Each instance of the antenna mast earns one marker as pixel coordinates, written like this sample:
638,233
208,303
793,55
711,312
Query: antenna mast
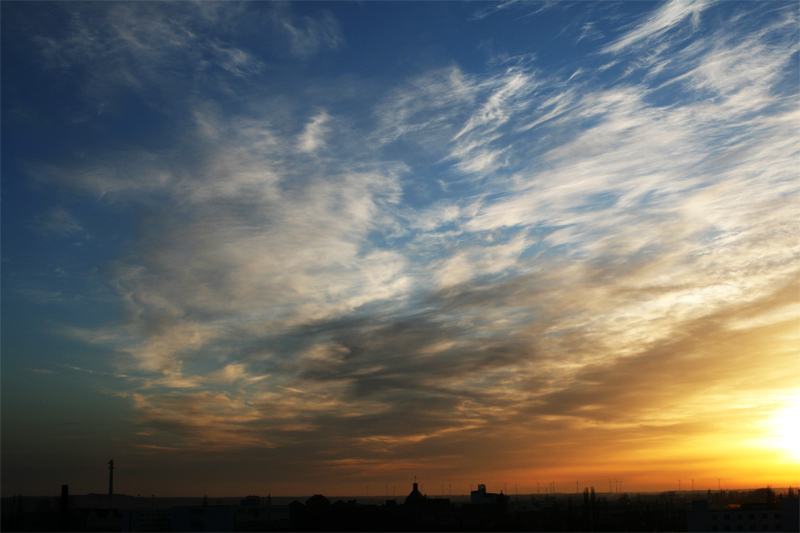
110,482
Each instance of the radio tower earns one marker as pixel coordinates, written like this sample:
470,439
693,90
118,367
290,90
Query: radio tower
110,482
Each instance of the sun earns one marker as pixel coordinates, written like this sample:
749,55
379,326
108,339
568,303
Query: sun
784,427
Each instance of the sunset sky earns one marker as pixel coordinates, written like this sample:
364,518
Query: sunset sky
299,248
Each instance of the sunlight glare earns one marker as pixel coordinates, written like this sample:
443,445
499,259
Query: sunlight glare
785,429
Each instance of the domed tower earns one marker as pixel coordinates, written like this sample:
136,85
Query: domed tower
415,498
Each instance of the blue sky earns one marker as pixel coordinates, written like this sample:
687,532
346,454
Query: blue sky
349,243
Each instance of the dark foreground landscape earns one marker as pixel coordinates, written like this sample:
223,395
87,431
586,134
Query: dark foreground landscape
763,509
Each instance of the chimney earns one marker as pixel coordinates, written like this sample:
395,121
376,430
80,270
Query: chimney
64,509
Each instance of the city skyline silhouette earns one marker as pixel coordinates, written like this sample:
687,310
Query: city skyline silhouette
321,248
482,510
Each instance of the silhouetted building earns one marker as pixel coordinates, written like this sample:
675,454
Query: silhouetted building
421,512
783,515
203,518
104,520
251,500
245,517
481,497
415,497
487,509
318,504
296,510
150,520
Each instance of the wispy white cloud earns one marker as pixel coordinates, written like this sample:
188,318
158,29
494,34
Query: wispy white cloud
513,4
636,200
313,136
668,16
427,106
288,280
309,34
173,50
60,221
41,370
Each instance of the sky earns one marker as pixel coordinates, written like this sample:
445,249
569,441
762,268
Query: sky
297,248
